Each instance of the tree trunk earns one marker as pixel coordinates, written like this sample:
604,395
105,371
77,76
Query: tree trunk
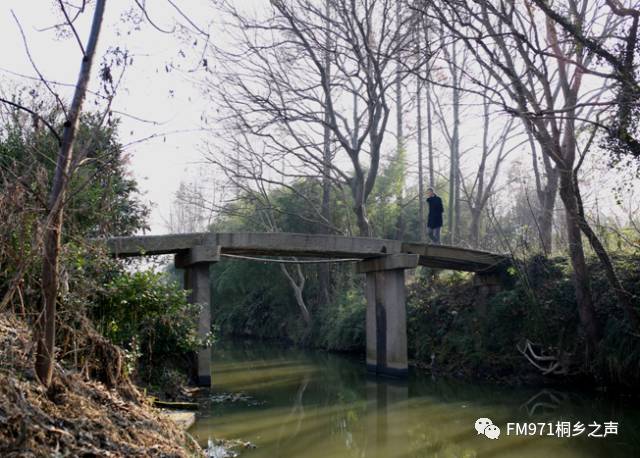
432,179
454,183
421,217
546,193
400,224
326,150
45,326
474,227
364,228
545,217
456,198
398,84
625,298
456,164
324,274
584,300
298,289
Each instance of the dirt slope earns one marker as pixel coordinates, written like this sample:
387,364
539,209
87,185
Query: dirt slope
75,417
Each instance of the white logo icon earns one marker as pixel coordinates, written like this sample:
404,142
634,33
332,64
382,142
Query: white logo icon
486,427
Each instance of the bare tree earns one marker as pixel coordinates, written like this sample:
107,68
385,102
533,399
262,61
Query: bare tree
495,147
45,330
621,128
324,273
400,134
263,213
541,82
277,88
546,180
419,128
430,148
487,151
191,210
618,51
448,109
252,202
454,138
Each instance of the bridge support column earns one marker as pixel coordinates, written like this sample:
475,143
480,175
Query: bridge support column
486,285
386,312
196,262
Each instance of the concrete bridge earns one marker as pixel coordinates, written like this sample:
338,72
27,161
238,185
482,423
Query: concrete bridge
382,261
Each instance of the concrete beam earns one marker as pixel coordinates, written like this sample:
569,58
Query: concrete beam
455,258
253,243
305,245
157,244
390,262
197,254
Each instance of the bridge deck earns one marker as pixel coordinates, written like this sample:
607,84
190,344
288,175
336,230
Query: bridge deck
306,245
454,258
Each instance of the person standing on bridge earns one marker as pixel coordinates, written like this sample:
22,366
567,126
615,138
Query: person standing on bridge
434,221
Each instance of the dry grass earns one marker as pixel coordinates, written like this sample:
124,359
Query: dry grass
75,416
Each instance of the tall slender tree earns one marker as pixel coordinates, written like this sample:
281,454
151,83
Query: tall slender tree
324,273
419,128
45,330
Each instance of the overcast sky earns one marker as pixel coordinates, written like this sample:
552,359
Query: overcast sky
156,102
148,92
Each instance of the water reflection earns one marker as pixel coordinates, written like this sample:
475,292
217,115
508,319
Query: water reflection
313,404
545,401
387,416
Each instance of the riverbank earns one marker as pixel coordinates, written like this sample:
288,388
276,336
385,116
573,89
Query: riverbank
75,416
452,332
530,332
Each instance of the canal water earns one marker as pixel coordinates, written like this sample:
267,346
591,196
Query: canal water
295,403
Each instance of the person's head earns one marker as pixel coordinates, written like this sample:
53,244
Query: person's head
430,192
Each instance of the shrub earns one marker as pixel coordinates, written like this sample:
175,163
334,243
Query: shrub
345,323
444,321
149,315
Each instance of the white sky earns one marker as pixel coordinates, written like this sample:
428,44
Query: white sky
159,164
148,92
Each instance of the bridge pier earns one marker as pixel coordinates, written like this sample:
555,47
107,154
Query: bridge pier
486,285
386,327
196,262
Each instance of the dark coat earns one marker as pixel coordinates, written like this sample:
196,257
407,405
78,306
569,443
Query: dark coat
435,212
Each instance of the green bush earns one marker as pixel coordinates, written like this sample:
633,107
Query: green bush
345,323
150,317
254,299
446,322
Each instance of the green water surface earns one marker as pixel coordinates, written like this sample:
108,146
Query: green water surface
296,403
